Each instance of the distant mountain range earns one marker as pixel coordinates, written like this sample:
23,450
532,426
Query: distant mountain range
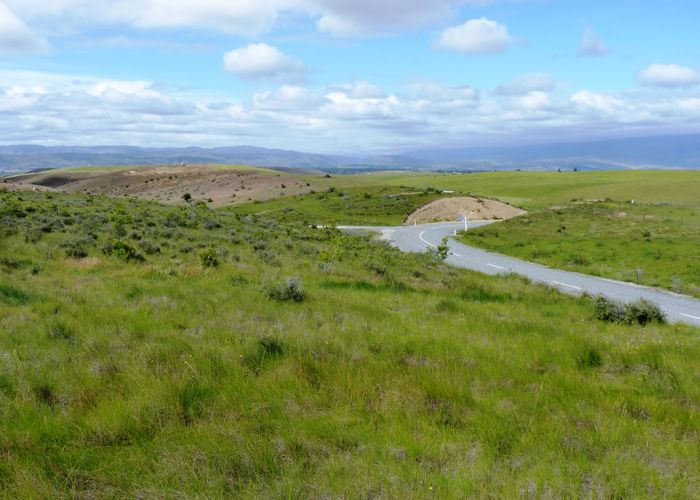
662,152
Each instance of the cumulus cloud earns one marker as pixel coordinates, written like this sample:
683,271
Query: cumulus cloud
534,82
668,75
338,26
241,17
15,35
342,117
287,97
352,17
591,45
476,36
262,61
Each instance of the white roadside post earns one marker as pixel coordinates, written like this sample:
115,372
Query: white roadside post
466,228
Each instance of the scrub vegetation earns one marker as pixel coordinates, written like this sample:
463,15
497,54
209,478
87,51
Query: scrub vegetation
371,205
159,351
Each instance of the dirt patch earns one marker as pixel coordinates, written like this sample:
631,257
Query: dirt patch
168,183
450,209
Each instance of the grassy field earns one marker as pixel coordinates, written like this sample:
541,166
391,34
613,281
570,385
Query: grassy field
535,190
646,244
146,351
530,190
371,205
652,241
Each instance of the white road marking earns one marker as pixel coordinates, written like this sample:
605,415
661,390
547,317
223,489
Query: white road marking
568,286
689,316
496,267
426,241
456,255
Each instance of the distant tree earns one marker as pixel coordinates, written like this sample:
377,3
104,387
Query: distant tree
187,197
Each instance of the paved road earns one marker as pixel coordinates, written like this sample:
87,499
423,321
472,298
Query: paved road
678,308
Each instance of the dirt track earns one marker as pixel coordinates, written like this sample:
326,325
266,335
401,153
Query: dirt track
450,209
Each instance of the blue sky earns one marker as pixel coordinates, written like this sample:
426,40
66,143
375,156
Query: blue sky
344,76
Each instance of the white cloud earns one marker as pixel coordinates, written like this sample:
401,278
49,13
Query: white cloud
239,17
262,61
338,26
476,36
345,117
352,17
534,101
534,82
591,45
598,102
16,37
287,97
668,75
362,90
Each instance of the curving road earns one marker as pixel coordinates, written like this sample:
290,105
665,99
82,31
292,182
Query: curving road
678,308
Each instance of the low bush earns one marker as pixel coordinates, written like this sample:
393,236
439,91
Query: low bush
289,290
122,250
641,312
208,257
76,248
644,312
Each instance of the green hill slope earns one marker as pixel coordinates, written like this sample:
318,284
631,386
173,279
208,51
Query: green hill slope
149,351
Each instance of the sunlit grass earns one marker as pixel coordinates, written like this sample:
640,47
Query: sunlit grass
655,245
395,376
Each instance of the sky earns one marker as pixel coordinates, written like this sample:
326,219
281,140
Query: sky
346,76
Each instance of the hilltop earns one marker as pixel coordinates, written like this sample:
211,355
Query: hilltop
218,185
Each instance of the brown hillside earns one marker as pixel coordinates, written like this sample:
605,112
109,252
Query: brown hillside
167,184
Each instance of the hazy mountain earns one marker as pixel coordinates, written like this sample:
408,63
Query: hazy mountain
23,158
681,151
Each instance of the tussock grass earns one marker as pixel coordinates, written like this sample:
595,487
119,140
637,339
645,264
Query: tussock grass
165,377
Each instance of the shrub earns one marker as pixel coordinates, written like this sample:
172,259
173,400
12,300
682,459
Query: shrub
209,257
443,250
641,312
187,197
149,247
76,249
33,234
122,250
377,267
289,290
608,310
